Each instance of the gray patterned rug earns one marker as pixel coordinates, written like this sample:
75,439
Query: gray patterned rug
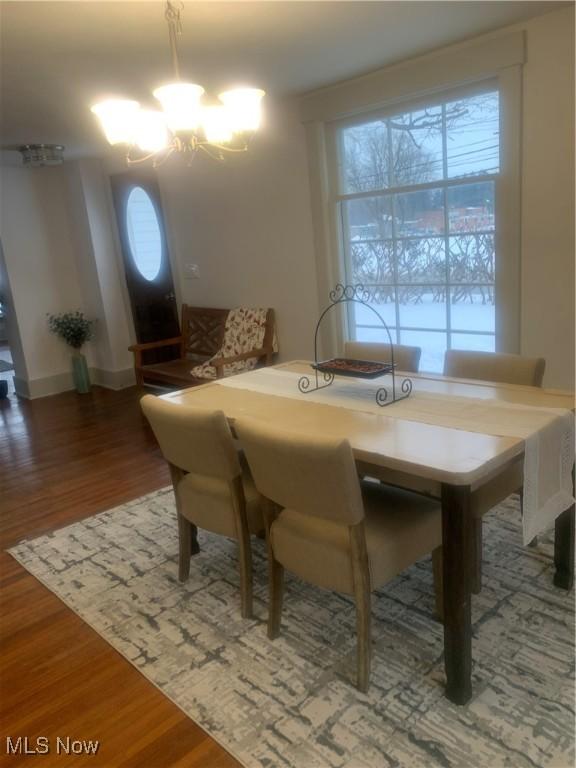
291,702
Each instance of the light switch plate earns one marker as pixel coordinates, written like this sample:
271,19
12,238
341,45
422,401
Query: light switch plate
191,271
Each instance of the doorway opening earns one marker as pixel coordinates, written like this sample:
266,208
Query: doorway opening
6,361
6,364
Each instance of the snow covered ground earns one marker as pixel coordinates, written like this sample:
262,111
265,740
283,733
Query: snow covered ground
429,314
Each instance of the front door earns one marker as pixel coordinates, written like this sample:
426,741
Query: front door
145,256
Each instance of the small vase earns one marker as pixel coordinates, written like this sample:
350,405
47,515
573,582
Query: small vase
80,373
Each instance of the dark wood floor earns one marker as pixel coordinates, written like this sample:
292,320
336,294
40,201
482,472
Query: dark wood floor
64,458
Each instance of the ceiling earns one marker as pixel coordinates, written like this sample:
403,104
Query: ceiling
59,57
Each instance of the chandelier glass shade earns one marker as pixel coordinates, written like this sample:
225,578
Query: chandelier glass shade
183,124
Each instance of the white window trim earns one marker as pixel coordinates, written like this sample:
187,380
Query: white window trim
492,57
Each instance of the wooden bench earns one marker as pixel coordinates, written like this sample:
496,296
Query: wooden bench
169,362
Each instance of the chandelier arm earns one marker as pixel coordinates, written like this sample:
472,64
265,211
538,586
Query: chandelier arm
160,158
205,148
222,147
150,156
138,160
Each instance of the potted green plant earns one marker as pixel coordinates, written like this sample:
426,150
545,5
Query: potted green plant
74,329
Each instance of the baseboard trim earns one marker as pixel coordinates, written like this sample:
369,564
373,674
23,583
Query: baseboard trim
120,379
21,387
48,385
62,382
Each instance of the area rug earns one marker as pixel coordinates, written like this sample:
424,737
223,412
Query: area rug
291,702
6,366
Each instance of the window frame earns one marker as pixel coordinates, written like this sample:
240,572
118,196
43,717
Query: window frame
323,138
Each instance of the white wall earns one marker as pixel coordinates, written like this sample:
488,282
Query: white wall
247,224
58,235
547,323
41,267
86,262
100,265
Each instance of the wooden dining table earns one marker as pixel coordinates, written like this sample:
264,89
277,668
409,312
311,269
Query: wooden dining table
455,461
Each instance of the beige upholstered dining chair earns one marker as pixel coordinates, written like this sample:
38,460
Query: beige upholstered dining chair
212,489
503,369
491,366
486,366
406,358
332,530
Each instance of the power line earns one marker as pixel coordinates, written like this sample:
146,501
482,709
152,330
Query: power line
377,175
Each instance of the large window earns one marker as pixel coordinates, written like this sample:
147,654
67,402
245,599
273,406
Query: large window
416,201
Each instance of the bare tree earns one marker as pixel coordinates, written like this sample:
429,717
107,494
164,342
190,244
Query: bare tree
396,152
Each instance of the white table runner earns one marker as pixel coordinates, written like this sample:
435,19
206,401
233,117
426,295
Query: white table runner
548,432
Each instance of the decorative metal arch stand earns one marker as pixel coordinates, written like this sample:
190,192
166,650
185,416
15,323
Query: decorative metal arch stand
357,294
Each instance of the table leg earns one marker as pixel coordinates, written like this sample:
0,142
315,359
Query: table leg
476,575
564,549
458,556
564,544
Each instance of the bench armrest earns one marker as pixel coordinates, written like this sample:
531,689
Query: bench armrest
156,344
138,349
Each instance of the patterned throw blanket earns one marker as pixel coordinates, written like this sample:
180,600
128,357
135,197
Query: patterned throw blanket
244,331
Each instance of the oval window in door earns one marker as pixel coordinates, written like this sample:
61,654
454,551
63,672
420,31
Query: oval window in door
144,233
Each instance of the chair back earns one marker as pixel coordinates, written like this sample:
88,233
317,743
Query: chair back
406,358
192,439
491,366
203,329
312,475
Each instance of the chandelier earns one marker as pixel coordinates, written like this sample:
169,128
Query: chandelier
184,125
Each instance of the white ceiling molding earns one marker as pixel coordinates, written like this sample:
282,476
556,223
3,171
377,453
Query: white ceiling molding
455,65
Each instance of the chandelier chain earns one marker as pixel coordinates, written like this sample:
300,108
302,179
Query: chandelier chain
172,16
